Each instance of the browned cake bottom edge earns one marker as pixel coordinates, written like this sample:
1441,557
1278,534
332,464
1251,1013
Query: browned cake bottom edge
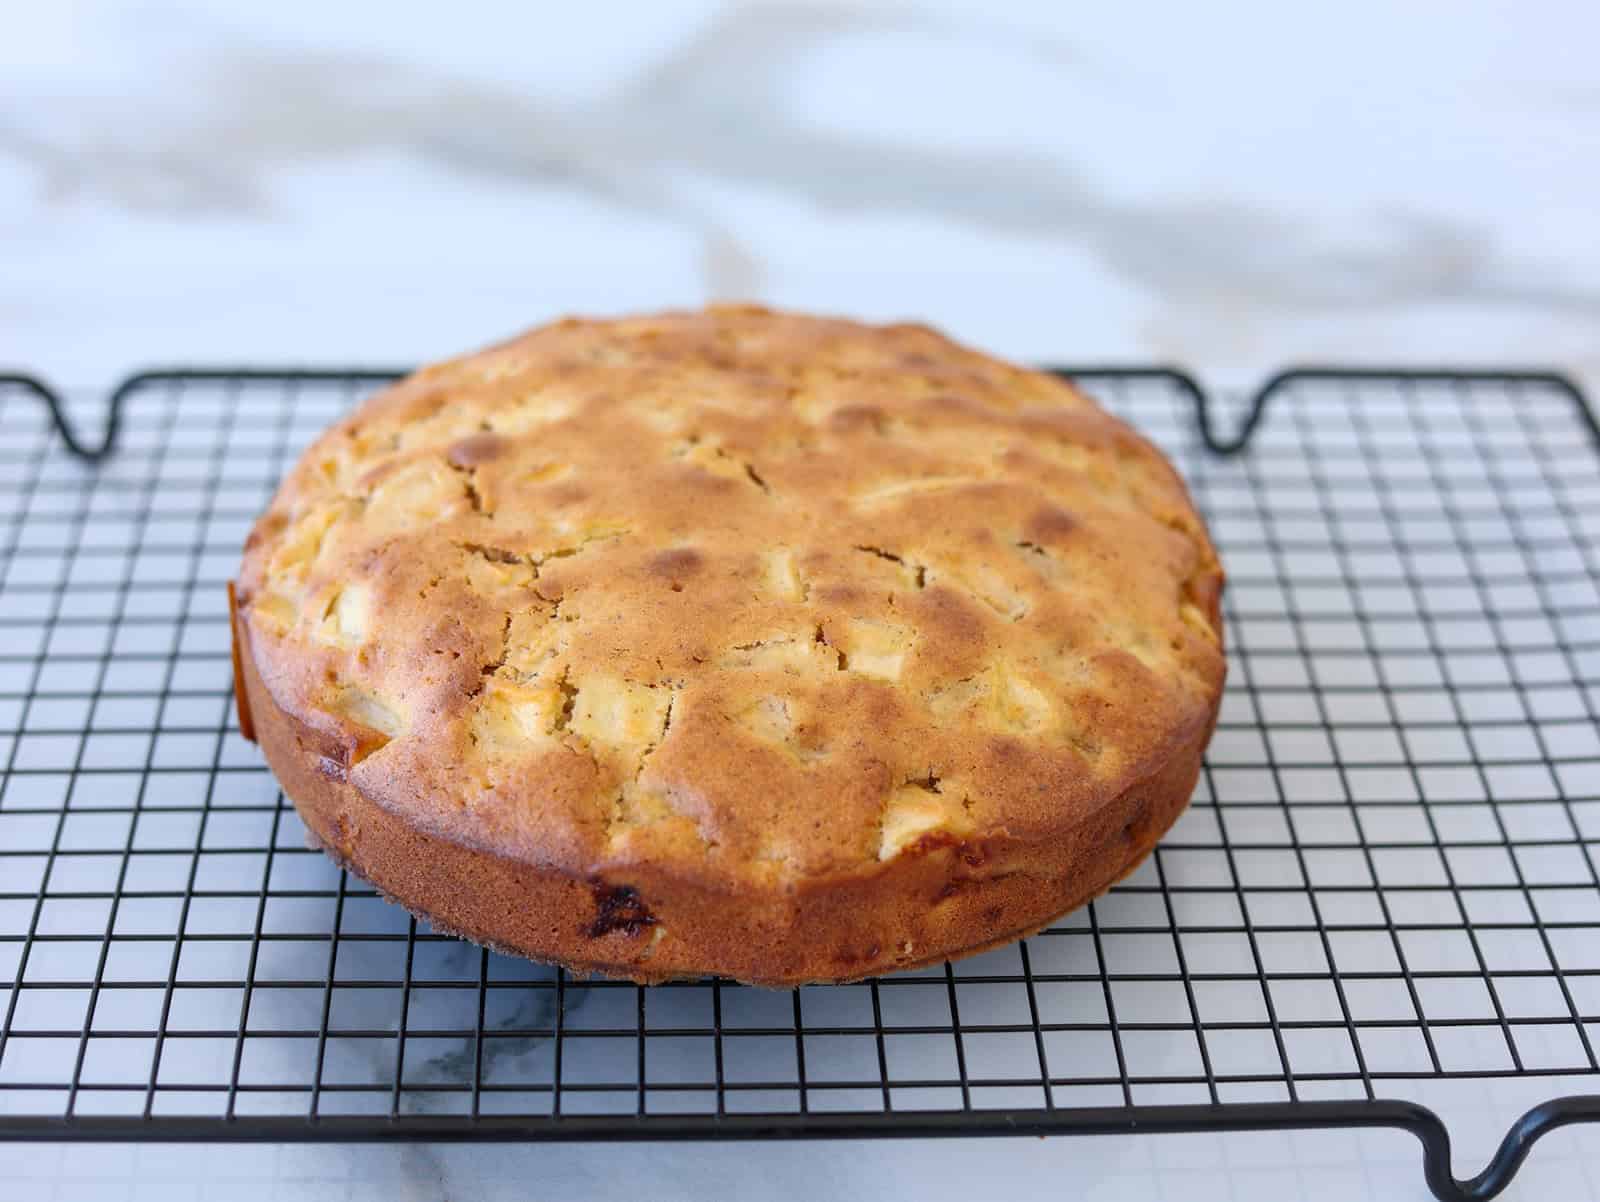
939,902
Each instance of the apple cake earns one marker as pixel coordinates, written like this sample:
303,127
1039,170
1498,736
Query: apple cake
732,642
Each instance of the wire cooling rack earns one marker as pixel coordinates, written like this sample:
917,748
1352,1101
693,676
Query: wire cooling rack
1387,879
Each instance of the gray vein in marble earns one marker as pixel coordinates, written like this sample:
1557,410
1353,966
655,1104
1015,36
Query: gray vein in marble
535,1009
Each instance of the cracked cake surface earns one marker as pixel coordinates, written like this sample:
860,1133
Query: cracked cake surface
732,642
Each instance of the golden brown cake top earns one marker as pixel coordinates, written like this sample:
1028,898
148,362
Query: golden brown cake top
749,596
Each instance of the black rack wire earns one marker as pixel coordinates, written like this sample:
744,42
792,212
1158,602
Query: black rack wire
1387,879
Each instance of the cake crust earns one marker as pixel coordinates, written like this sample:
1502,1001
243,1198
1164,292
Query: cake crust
734,642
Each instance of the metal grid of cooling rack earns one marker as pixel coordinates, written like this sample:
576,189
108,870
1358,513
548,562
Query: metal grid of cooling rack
1387,878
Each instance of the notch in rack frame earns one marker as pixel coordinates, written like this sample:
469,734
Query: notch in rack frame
1334,486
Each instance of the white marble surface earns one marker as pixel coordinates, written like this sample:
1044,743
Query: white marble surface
1240,187
1229,187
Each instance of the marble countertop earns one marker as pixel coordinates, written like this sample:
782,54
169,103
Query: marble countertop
191,182
1255,186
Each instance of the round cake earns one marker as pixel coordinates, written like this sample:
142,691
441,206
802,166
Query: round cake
732,643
